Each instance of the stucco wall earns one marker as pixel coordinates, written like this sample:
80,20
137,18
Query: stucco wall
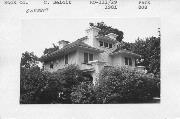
76,57
119,60
60,62
105,55
80,56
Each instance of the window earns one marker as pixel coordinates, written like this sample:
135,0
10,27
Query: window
110,45
106,44
85,57
66,59
51,65
88,57
100,43
128,61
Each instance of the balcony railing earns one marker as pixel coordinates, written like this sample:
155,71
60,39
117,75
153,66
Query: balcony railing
86,66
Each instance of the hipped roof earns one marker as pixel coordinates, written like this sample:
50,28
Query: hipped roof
78,44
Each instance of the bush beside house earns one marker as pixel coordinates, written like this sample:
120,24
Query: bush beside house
126,85
44,87
115,85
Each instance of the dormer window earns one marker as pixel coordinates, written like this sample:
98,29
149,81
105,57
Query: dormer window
51,65
100,43
105,44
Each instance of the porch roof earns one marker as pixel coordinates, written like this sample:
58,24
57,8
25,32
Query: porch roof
78,44
125,52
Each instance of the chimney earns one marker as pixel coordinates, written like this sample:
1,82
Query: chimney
92,32
62,43
112,36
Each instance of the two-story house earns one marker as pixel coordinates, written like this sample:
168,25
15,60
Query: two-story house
91,53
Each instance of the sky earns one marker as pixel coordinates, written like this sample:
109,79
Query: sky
38,34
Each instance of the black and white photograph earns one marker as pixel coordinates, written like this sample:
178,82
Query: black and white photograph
90,61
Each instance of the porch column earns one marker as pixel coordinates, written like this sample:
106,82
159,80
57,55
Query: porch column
98,66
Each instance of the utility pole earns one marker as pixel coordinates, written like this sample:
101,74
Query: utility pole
159,33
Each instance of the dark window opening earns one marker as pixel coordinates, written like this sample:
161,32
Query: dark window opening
100,43
110,45
106,44
85,57
126,61
130,61
66,59
51,65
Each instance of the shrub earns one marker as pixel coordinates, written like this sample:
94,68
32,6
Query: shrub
125,85
83,94
45,87
31,81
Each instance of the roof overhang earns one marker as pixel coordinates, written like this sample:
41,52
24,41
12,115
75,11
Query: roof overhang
125,52
106,39
90,49
56,54
63,51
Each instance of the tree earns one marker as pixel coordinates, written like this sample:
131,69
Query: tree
31,78
149,49
104,30
51,49
28,60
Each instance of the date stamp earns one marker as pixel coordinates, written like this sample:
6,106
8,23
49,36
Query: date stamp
144,4
109,4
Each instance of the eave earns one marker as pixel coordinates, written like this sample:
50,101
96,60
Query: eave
125,52
66,50
106,39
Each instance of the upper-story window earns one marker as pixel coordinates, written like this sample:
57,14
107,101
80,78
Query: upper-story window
110,45
88,57
66,59
128,61
100,43
51,65
85,57
105,44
